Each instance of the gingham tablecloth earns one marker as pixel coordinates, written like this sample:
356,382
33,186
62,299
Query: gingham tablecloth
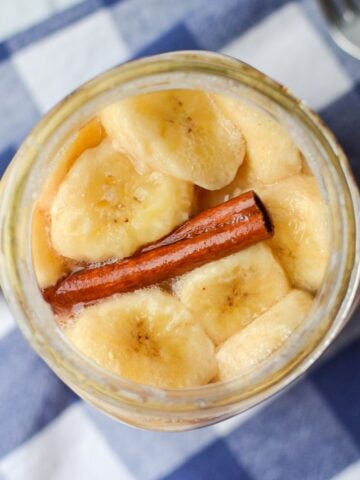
309,432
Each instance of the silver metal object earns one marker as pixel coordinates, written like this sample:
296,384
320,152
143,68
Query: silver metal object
343,17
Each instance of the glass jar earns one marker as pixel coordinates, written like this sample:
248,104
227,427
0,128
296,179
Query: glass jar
141,405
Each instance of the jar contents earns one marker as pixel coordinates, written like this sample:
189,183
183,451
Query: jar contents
181,238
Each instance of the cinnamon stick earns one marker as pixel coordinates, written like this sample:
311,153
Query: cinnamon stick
236,210
160,263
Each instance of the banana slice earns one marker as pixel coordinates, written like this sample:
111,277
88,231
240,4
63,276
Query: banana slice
178,132
271,154
302,239
89,136
147,336
105,209
48,264
228,294
245,350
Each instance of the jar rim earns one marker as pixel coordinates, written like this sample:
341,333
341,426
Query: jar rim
105,385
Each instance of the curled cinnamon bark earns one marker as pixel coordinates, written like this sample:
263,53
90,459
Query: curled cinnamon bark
164,261
236,210
156,265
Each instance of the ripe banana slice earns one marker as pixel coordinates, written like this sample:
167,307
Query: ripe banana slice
245,350
48,264
89,136
105,209
182,133
147,336
228,294
271,154
301,226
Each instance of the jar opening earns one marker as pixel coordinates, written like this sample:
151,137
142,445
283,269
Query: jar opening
180,70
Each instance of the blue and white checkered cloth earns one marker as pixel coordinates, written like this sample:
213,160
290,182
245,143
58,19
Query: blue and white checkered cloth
309,432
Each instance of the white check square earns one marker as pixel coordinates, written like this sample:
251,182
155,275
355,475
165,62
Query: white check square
69,448
31,12
350,473
56,65
287,47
